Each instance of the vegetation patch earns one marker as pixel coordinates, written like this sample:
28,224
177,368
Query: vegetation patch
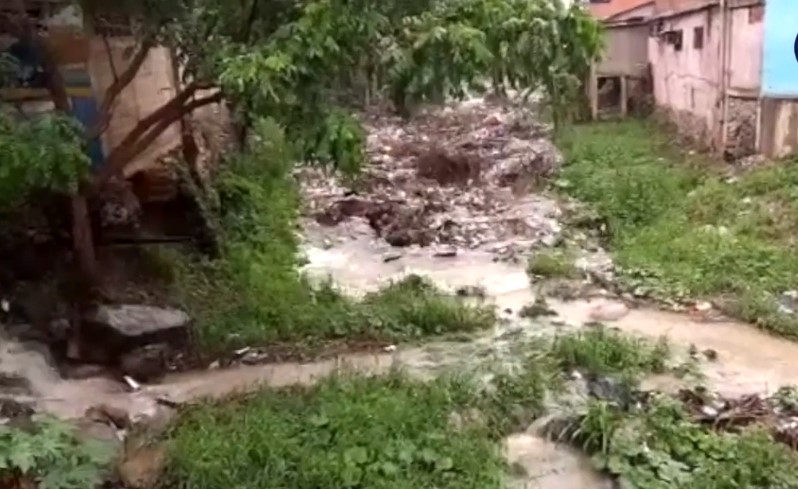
678,228
48,455
255,293
604,352
660,446
388,432
552,264
391,431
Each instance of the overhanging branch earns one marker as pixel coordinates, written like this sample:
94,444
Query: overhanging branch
148,130
119,84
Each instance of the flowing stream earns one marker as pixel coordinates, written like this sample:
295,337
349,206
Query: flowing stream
748,360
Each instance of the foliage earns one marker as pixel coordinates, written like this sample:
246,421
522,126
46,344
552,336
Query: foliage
601,351
254,294
297,61
387,432
371,431
42,153
679,228
52,456
552,263
658,446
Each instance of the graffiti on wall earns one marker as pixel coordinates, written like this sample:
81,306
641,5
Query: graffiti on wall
780,63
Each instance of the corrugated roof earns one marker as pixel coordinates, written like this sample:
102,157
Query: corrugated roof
615,7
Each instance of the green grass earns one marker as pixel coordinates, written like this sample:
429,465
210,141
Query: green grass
602,351
552,264
660,447
678,227
384,432
387,432
254,294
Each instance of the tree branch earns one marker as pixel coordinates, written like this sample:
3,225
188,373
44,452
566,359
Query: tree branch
144,125
146,134
119,84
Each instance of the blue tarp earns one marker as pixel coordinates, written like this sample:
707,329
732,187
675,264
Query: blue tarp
85,110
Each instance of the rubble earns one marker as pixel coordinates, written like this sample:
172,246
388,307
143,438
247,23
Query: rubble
449,177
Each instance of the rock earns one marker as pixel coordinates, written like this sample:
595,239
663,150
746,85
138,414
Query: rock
446,252
12,409
146,363
607,311
391,256
610,389
111,332
142,467
83,371
528,160
448,168
103,413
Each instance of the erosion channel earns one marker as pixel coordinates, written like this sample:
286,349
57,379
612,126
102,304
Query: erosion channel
457,195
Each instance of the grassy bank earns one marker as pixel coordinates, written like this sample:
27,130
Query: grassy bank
394,432
389,432
254,295
679,227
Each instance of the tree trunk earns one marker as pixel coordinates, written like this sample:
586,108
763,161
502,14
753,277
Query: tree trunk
82,239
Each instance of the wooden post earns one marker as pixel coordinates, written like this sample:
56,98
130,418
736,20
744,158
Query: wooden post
624,96
593,92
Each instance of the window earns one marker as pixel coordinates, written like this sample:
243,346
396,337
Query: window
673,38
755,14
698,38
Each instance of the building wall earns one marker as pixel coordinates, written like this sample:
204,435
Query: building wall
625,51
745,73
643,11
153,86
745,49
686,81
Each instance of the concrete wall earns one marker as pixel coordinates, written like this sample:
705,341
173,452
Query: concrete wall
744,78
686,82
745,49
152,87
779,131
626,51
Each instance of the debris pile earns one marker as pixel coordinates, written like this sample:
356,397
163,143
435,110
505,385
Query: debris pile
452,177
777,413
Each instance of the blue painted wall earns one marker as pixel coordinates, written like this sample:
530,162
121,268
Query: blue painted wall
779,66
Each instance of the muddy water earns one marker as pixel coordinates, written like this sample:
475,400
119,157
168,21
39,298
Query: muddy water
748,359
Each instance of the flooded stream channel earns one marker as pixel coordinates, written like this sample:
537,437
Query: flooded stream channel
748,360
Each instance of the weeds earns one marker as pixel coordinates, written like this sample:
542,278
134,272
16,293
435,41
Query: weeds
49,456
254,293
604,352
658,446
680,229
387,432
552,264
